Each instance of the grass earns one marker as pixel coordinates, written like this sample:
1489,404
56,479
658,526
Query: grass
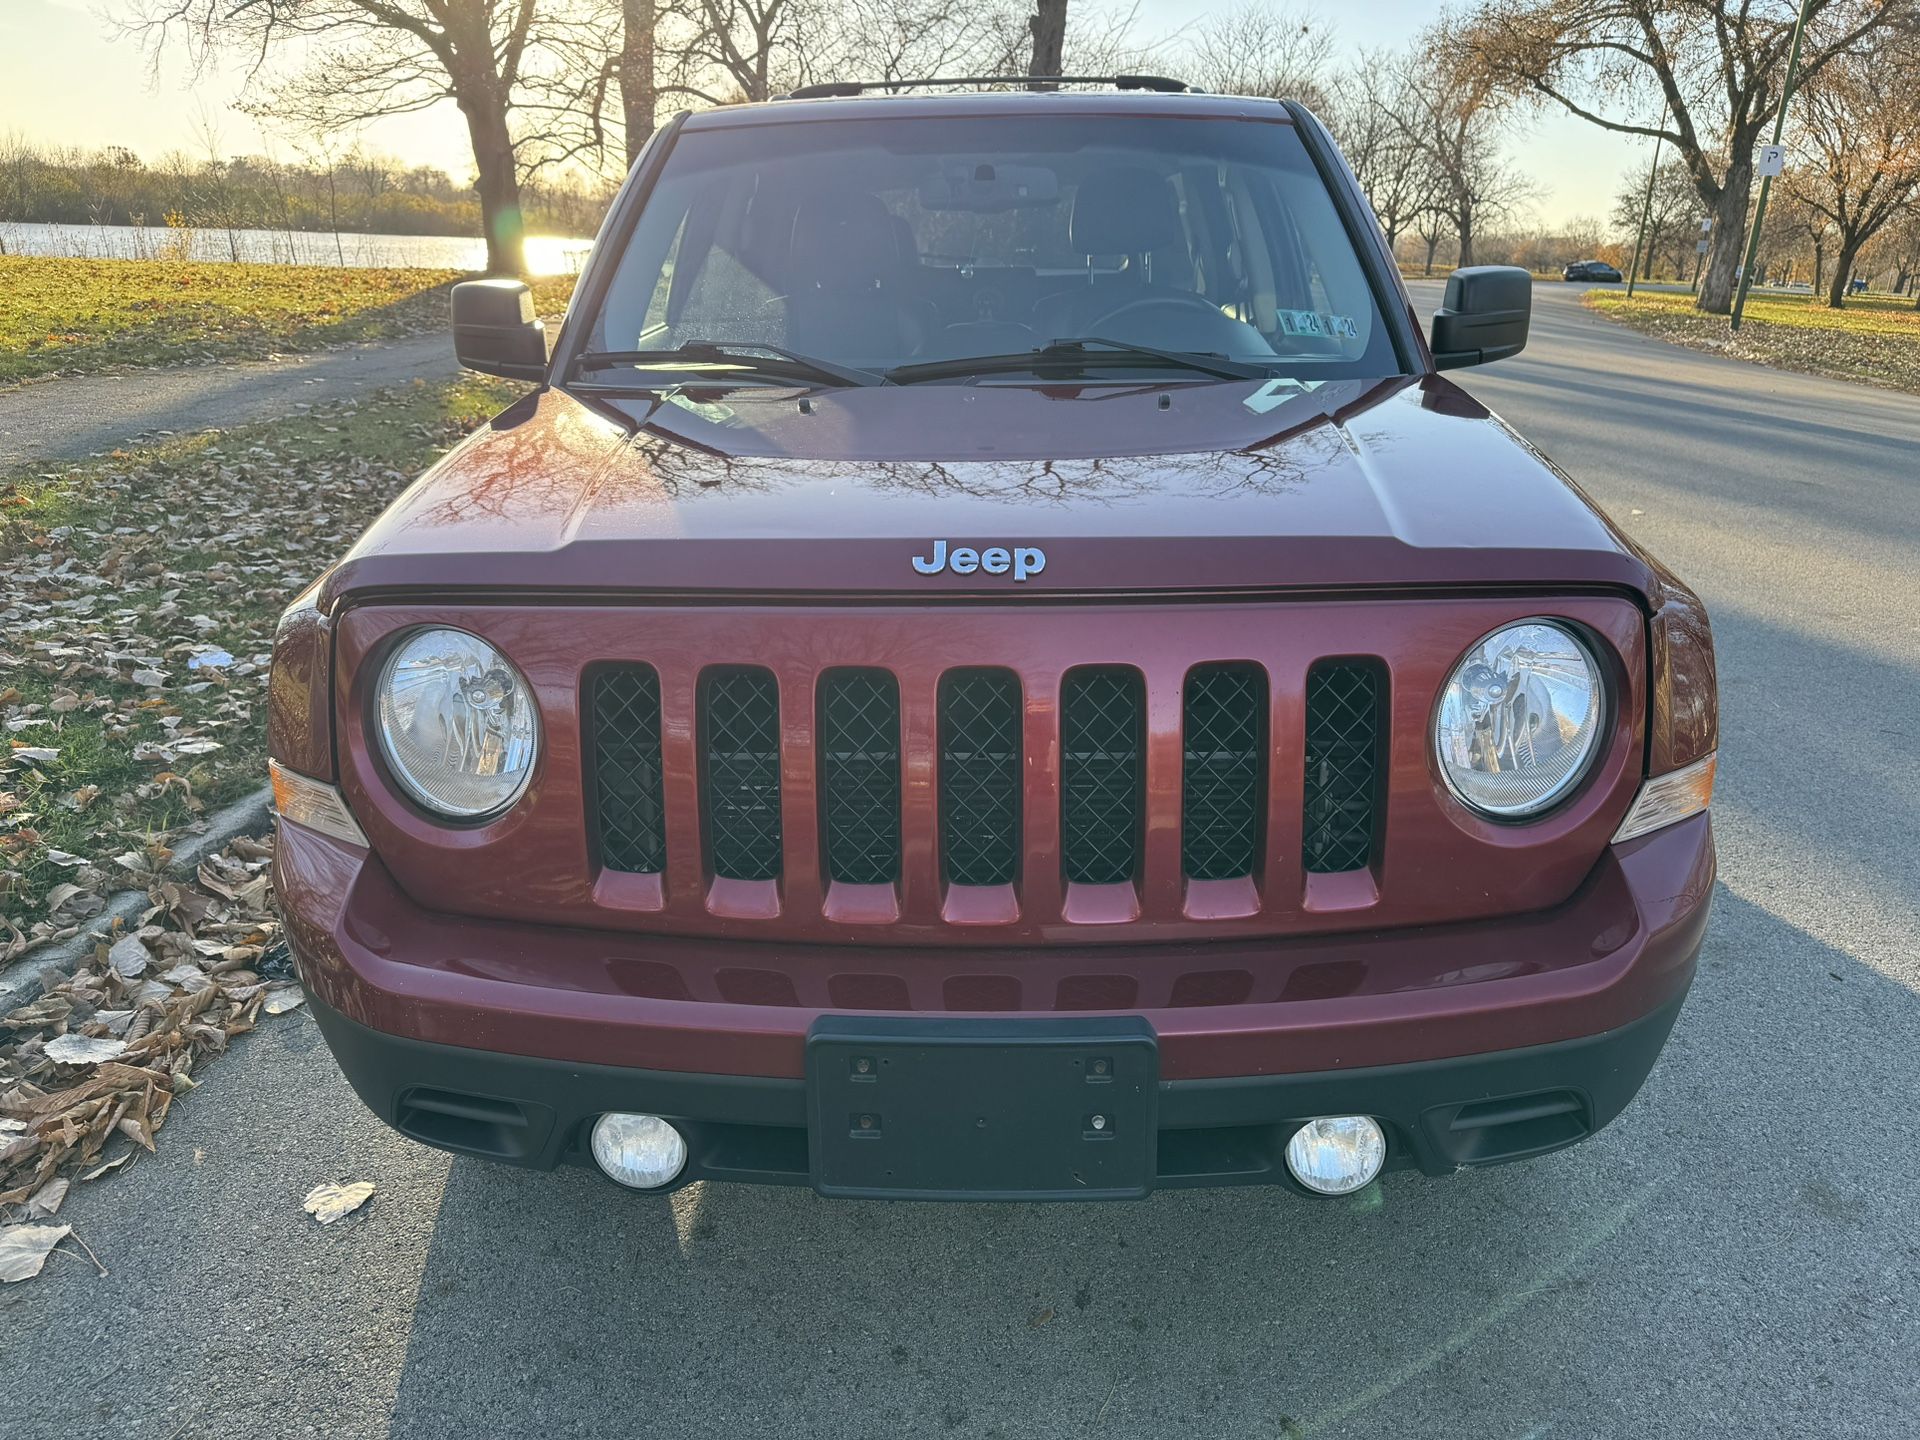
75,317
1875,339
118,572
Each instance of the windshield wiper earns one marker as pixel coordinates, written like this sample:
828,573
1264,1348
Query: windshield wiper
748,355
1078,353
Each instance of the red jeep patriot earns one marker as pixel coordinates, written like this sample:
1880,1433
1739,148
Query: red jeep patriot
994,666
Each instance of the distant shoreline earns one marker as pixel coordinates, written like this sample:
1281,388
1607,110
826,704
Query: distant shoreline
357,250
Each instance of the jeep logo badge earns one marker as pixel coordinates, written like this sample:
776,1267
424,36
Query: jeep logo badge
1022,560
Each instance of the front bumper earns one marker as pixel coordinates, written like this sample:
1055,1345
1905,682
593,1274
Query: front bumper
1472,1044
1438,1114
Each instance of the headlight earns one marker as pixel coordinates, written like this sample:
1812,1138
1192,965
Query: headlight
1519,722
457,723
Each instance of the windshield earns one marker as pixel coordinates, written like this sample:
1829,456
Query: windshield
894,242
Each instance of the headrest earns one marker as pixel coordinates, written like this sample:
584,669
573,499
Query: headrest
844,242
1126,210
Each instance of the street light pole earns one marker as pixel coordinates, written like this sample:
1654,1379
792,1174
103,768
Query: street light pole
1766,181
1646,210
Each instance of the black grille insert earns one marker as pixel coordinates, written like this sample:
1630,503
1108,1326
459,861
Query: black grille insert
1345,700
740,753
1223,732
1102,720
980,776
625,708
860,775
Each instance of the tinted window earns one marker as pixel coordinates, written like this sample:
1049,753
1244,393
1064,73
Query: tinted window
880,242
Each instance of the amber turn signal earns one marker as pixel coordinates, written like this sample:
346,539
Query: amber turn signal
1668,798
309,802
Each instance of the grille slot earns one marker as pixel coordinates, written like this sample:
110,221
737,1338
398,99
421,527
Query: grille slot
860,775
1102,715
1343,771
627,790
740,752
980,776
1223,730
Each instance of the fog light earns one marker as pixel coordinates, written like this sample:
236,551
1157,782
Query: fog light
642,1151
1338,1155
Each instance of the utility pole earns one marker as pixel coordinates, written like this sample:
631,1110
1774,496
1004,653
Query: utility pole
1646,210
1766,178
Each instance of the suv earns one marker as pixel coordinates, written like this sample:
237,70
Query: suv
1592,270
993,665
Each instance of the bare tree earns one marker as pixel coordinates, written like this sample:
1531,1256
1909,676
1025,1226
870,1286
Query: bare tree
1390,168
639,88
1671,230
1278,51
374,58
915,39
1859,139
1718,65
1048,26
1452,119
1902,239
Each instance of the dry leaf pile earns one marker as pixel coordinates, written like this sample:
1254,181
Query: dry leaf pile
90,1070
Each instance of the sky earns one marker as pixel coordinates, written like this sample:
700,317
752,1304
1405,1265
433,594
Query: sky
66,78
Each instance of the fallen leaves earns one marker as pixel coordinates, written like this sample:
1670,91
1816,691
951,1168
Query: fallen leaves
328,1202
24,1249
90,1071
1872,339
138,596
83,1049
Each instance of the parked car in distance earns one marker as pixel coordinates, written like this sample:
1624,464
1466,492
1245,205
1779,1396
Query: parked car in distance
991,662
1592,270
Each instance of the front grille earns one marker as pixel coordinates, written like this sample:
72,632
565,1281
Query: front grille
1102,714
1223,728
860,775
980,776
857,746
1341,804
625,710
740,755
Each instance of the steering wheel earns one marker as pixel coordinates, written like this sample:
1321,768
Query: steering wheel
1156,302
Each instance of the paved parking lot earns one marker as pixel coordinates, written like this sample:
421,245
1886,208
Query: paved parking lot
1737,1256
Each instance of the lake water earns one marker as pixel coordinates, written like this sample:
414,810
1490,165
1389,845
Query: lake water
546,254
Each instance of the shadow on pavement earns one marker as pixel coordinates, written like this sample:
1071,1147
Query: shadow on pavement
1617,1288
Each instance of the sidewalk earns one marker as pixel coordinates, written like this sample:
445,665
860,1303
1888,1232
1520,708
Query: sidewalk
55,420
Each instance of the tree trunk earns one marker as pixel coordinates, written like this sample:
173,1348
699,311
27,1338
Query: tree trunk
1819,267
1048,25
639,93
1842,273
1433,244
1729,242
498,183
1463,227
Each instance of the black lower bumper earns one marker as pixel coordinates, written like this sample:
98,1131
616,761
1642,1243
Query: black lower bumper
1438,1115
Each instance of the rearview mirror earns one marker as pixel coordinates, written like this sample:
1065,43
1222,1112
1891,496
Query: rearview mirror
495,330
1483,316
989,189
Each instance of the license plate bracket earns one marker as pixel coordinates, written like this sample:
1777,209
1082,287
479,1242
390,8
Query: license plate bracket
951,1108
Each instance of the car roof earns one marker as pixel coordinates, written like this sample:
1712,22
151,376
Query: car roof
969,103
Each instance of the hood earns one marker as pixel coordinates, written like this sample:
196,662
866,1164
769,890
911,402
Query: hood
1235,487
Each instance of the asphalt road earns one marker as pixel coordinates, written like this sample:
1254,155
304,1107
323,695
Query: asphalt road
1738,1255
55,420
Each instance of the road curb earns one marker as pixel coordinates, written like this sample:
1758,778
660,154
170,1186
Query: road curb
26,979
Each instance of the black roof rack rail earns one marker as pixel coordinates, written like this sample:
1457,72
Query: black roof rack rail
844,89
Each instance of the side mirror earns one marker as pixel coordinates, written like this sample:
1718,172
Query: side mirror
495,330
1483,317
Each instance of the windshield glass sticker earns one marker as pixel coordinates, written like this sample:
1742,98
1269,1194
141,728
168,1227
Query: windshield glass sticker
1318,322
